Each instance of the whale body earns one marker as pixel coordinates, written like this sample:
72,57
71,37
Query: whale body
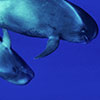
52,19
12,67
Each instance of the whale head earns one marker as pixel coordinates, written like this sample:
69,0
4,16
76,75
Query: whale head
83,30
12,67
90,29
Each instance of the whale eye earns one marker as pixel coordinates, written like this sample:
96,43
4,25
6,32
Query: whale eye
15,69
83,31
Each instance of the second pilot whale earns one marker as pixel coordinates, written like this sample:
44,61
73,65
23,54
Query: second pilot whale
12,67
52,19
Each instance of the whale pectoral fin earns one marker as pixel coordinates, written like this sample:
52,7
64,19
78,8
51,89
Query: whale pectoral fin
52,45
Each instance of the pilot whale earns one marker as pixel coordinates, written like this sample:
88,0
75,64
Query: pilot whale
53,19
12,67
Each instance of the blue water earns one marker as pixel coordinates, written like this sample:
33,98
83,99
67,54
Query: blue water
72,72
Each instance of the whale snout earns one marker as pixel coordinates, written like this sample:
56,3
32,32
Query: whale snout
23,81
90,30
95,33
18,75
91,33
22,78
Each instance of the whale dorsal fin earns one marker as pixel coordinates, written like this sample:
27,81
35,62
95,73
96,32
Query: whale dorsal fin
6,39
52,45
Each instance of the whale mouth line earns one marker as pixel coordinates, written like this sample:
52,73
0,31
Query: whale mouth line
86,38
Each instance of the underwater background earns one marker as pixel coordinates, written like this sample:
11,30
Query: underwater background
72,72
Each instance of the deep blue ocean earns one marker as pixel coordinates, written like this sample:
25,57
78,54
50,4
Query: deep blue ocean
72,72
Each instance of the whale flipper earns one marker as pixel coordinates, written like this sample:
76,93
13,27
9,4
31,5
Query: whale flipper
52,45
6,39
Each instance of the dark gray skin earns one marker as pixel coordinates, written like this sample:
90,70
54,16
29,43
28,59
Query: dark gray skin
12,67
52,19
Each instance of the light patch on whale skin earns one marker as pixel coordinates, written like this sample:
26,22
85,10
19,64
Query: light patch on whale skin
4,4
18,14
23,13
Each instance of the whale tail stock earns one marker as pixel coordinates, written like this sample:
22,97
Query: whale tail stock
52,45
